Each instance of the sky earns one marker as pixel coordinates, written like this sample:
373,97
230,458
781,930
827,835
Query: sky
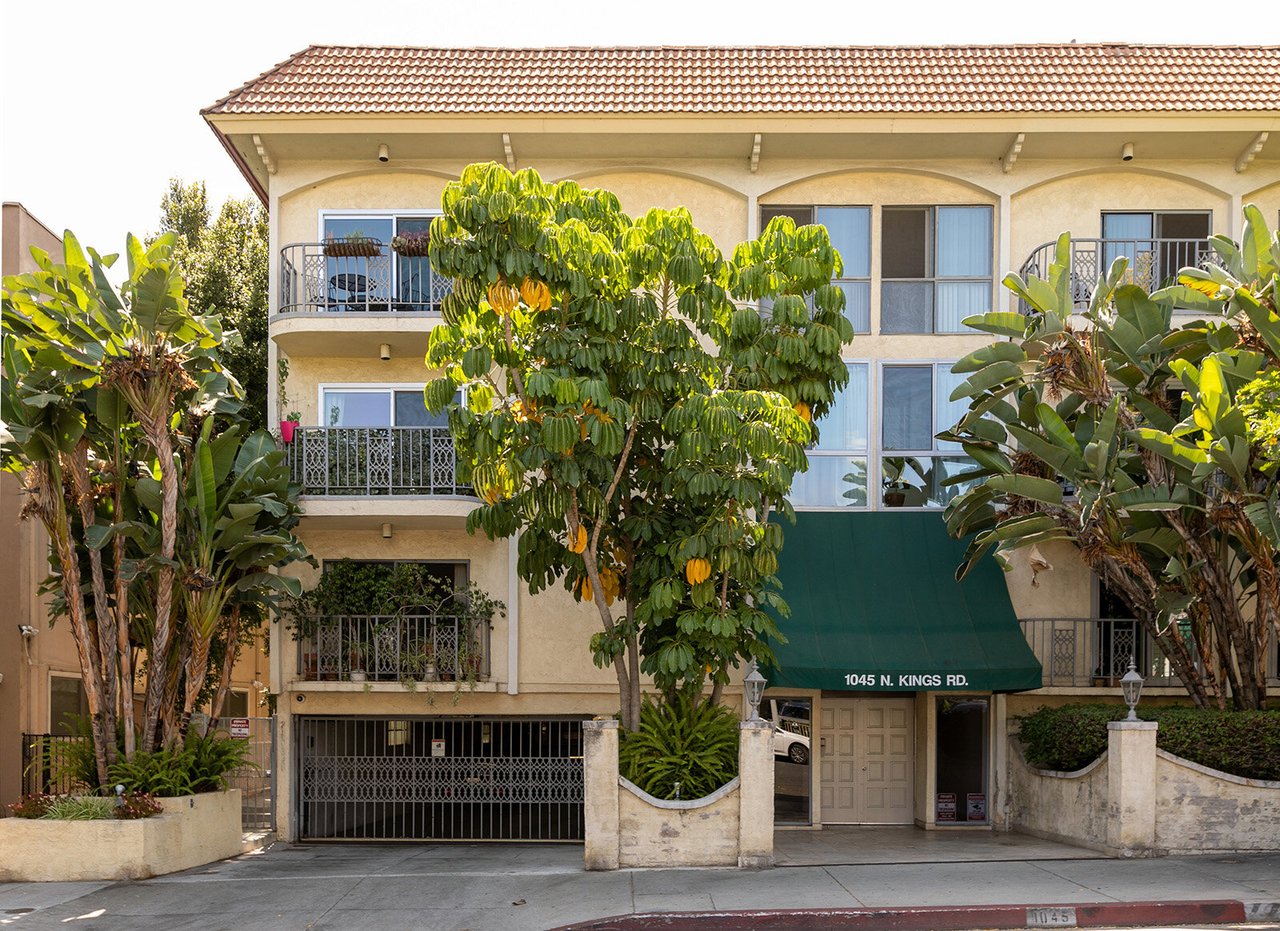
100,101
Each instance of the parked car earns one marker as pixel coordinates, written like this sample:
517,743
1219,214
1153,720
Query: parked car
791,729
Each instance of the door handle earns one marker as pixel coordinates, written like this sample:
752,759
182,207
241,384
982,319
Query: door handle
822,744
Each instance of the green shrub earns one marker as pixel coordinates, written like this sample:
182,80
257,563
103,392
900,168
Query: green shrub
689,743
80,808
201,764
1242,743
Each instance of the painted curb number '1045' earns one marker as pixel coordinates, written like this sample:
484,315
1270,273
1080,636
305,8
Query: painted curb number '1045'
906,680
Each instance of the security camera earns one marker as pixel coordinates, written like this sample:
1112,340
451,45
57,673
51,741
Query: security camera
384,154
27,630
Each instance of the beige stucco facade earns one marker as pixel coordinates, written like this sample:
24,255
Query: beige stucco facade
1066,175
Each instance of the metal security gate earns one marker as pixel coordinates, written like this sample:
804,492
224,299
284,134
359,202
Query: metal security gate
440,779
257,781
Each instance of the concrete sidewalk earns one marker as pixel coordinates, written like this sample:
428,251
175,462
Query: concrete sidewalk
495,887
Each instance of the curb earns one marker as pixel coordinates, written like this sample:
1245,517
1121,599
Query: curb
944,917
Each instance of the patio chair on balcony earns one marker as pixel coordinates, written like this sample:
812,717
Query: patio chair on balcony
349,292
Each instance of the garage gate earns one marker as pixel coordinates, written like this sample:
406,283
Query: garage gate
443,779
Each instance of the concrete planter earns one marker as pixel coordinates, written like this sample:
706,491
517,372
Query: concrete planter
627,827
193,830
1139,801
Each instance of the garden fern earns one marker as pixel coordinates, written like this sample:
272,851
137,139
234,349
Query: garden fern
686,742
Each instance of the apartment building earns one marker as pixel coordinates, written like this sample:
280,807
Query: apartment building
41,688
935,170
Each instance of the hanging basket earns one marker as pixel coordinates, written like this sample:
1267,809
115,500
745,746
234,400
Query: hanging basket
353,248
411,246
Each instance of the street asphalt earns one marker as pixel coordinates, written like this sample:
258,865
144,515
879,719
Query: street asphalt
496,887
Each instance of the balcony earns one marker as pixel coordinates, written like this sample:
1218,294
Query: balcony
1153,263
1094,652
405,648
373,461
349,304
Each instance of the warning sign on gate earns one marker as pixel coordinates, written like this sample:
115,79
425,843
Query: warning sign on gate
437,748
239,727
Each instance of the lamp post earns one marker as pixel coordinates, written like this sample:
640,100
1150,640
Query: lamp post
1131,686
753,690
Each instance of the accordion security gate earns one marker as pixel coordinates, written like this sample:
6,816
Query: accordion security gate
465,779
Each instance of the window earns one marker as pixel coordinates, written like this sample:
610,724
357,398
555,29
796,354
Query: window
915,406
67,702
850,232
1157,244
837,476
935,266
359,406
384,281
236,704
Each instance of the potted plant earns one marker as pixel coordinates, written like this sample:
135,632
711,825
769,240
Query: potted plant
358,654
288,422
418,665
414,244
353,245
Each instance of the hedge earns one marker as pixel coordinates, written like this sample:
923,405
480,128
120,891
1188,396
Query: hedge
1243,743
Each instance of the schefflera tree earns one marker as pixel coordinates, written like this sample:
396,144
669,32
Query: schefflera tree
632,413
1159,433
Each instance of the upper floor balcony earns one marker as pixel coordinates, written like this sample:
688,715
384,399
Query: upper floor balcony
348,296
358,478
1153,263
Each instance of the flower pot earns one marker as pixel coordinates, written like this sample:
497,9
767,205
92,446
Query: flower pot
286,430
357,675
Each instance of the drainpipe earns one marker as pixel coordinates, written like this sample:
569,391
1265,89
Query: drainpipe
513,616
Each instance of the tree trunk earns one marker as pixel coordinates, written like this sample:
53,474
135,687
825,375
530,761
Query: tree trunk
101,628
53,507
230,656
161,642
123,649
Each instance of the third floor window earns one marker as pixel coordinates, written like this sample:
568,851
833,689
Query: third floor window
935,267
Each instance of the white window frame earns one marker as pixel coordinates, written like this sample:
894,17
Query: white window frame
931,246
852,453
877,440
390,388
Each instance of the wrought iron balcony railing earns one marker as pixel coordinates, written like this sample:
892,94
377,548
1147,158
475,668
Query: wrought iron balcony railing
317,277
395,648
346,461
1153,263
1078,652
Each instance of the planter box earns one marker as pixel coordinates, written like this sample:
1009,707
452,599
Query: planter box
193,830
627,827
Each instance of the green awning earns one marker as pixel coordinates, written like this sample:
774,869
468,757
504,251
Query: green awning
875,606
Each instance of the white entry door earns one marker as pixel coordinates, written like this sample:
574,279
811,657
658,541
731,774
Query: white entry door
867,751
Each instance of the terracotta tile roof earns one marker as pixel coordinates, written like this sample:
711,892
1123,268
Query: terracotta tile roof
947,79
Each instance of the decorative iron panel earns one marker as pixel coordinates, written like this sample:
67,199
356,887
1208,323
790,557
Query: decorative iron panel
341,461
440,779
318,277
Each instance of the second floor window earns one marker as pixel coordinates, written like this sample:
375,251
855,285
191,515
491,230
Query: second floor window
837,476
915,406
393,279
935,266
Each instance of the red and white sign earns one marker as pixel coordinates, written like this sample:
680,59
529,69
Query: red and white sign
976,806
239,727
437,747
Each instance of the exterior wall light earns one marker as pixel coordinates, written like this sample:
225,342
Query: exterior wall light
753,690
384,154
1126,152
1131,686
384,351
386,531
